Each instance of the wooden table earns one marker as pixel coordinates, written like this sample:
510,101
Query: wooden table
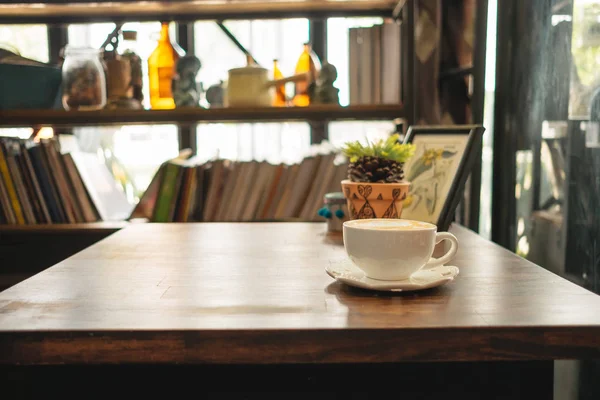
245,307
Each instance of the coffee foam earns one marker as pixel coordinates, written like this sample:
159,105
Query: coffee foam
389,224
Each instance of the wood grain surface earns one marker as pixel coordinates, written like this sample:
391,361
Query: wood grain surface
258,293
80,228
326,112
64,11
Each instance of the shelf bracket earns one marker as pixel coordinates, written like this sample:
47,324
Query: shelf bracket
397,12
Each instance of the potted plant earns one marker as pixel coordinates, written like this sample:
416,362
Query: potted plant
375,187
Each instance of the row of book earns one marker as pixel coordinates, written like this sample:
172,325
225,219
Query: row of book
40,185
222,190
375,72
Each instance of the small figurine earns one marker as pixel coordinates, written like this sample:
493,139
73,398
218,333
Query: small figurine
185,89
215,94
323,91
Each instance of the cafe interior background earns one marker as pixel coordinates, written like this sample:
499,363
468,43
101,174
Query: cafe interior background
526,70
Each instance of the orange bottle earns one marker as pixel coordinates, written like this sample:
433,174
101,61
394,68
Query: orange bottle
306,64
161,70
279,100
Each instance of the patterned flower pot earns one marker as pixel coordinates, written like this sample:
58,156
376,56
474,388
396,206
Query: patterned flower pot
374,200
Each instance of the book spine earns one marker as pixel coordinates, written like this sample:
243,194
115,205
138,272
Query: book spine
165,195
7,211
33,186
19,183
41,170
10,188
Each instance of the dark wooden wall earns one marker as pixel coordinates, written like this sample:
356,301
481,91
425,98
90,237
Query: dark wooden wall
24,254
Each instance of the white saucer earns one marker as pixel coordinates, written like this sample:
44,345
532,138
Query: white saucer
345,271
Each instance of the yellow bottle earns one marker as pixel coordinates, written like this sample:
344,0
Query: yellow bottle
306,64
161,69
279,100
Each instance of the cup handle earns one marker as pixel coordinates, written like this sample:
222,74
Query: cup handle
439,237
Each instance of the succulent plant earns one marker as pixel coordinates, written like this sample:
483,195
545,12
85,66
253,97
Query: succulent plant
378,162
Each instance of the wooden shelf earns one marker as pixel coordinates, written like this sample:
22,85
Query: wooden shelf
92,227
28,118
72,11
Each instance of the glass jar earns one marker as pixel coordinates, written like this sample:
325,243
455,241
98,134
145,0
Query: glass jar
84,82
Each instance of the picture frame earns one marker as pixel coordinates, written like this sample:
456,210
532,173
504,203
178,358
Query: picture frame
438,170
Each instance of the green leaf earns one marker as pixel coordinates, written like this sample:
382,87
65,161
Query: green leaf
417,169
389,149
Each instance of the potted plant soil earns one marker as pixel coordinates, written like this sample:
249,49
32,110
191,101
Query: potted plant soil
375,187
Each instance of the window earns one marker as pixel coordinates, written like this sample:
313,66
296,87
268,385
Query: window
21,133
265,40
133,153
29,41
341,132
285,142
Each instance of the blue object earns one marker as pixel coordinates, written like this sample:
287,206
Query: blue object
339,213
321,211
328,214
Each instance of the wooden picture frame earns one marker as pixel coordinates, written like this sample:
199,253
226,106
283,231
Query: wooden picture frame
434,196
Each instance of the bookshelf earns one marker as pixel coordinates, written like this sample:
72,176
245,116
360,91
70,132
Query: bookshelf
58,13
29,118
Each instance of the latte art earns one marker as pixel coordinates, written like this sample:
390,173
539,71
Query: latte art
390,224
394,249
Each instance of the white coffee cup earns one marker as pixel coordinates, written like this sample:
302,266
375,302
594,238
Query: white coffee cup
394,249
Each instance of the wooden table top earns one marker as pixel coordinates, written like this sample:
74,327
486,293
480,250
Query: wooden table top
258,293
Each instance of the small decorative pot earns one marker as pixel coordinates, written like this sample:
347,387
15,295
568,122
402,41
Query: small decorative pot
374,200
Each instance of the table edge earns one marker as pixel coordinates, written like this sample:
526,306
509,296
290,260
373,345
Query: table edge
310,346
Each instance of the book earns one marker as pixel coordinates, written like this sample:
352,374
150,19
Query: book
108,197
8,214
227,191
375,64
59,180
88,210
33,186
225,199
353,66
377,79
146,203
269,193
43,173
187,191
46,186
9,186
365,40
11,148
301,186
391,89
166,192
244,189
